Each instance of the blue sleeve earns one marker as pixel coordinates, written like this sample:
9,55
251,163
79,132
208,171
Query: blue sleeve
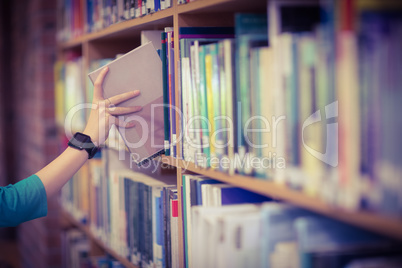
26,200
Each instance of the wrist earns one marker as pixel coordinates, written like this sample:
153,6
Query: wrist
93,135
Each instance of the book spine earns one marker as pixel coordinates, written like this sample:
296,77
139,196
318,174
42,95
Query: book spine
142,223
166,226
267,111
172,90
210,98
132,9
203,102
128,215
157,237
136,254
243,97
165,95
174,233
254,139
216,137
169,82
195,150
183,79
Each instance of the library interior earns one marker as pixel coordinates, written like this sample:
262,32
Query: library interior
253,137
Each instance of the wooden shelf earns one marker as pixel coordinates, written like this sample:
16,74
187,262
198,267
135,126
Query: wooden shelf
88,232
108,41
72,44
203,6
391,227
163,18
157,20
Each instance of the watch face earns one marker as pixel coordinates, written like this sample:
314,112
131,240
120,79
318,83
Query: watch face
80,141
81,137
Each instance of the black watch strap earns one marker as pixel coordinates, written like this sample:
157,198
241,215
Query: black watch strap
81,141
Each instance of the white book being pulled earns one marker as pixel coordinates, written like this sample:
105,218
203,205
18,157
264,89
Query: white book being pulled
139,69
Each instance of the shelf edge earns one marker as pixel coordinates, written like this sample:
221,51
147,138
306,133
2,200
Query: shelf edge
88,232
116,28
391,227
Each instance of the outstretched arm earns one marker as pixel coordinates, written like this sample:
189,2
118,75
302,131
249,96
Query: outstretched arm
60,170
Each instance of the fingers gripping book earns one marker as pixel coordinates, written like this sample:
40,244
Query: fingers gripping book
139,69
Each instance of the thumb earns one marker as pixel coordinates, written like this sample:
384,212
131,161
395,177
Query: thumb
98,89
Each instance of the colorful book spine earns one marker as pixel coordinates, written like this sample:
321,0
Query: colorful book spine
166,109
251,31
210,96
229,80
172,92
78,17
203,105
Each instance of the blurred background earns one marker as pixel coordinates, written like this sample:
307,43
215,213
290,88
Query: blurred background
27,126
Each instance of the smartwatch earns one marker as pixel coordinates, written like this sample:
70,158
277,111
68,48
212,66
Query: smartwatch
83,142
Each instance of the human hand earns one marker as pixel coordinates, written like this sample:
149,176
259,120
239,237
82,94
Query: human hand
104,113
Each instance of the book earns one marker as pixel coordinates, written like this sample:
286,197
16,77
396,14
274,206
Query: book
172,91
211,97
153,36
203,106
251,31
187,202
279,240
143,234
190,86
139,69
225,236
266,140
229,85
169,196
166,110
328,243
241,245
173,237
225,194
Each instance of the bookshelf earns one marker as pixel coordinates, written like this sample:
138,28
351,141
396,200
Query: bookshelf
381,224
124,36
72,221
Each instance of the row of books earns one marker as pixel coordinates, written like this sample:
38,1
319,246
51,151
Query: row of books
269,107
259,110
226,226
372,150
78,17
233,113
172,108
277,235
201,191
76,252
132,213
